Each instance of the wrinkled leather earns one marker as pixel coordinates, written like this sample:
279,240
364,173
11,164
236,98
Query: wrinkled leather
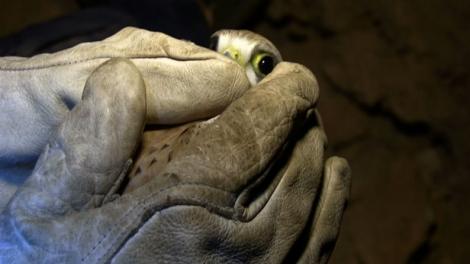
250,186
36,93
184,83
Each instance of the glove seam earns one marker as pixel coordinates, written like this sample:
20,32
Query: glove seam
67,63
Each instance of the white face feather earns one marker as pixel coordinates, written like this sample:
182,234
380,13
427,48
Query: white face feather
252,77
246,48
246,45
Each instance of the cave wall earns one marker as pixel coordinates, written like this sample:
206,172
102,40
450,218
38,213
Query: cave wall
394,98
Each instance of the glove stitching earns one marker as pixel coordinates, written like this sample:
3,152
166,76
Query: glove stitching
6,69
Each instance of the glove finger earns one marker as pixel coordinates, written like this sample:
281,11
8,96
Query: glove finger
277,219
186,82
128,43
84,158
318,240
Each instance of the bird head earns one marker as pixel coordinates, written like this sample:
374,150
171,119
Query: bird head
253,52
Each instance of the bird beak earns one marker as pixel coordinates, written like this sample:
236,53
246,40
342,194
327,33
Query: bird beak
234,54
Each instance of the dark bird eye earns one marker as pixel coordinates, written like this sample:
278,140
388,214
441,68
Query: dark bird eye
214,42
265,65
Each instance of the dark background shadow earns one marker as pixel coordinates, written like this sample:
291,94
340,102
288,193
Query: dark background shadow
395,95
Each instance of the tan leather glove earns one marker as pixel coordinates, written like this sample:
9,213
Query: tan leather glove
250,186
184,82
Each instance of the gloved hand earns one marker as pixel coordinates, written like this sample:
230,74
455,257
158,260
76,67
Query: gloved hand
250,186
184,82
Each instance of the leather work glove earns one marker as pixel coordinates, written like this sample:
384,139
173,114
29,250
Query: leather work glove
249,186
184,82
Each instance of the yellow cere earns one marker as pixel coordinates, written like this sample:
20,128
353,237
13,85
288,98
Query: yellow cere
234,54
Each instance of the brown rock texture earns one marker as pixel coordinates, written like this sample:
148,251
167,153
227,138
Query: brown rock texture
394,99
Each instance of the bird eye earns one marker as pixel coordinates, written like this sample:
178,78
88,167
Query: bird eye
214,42
263,64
